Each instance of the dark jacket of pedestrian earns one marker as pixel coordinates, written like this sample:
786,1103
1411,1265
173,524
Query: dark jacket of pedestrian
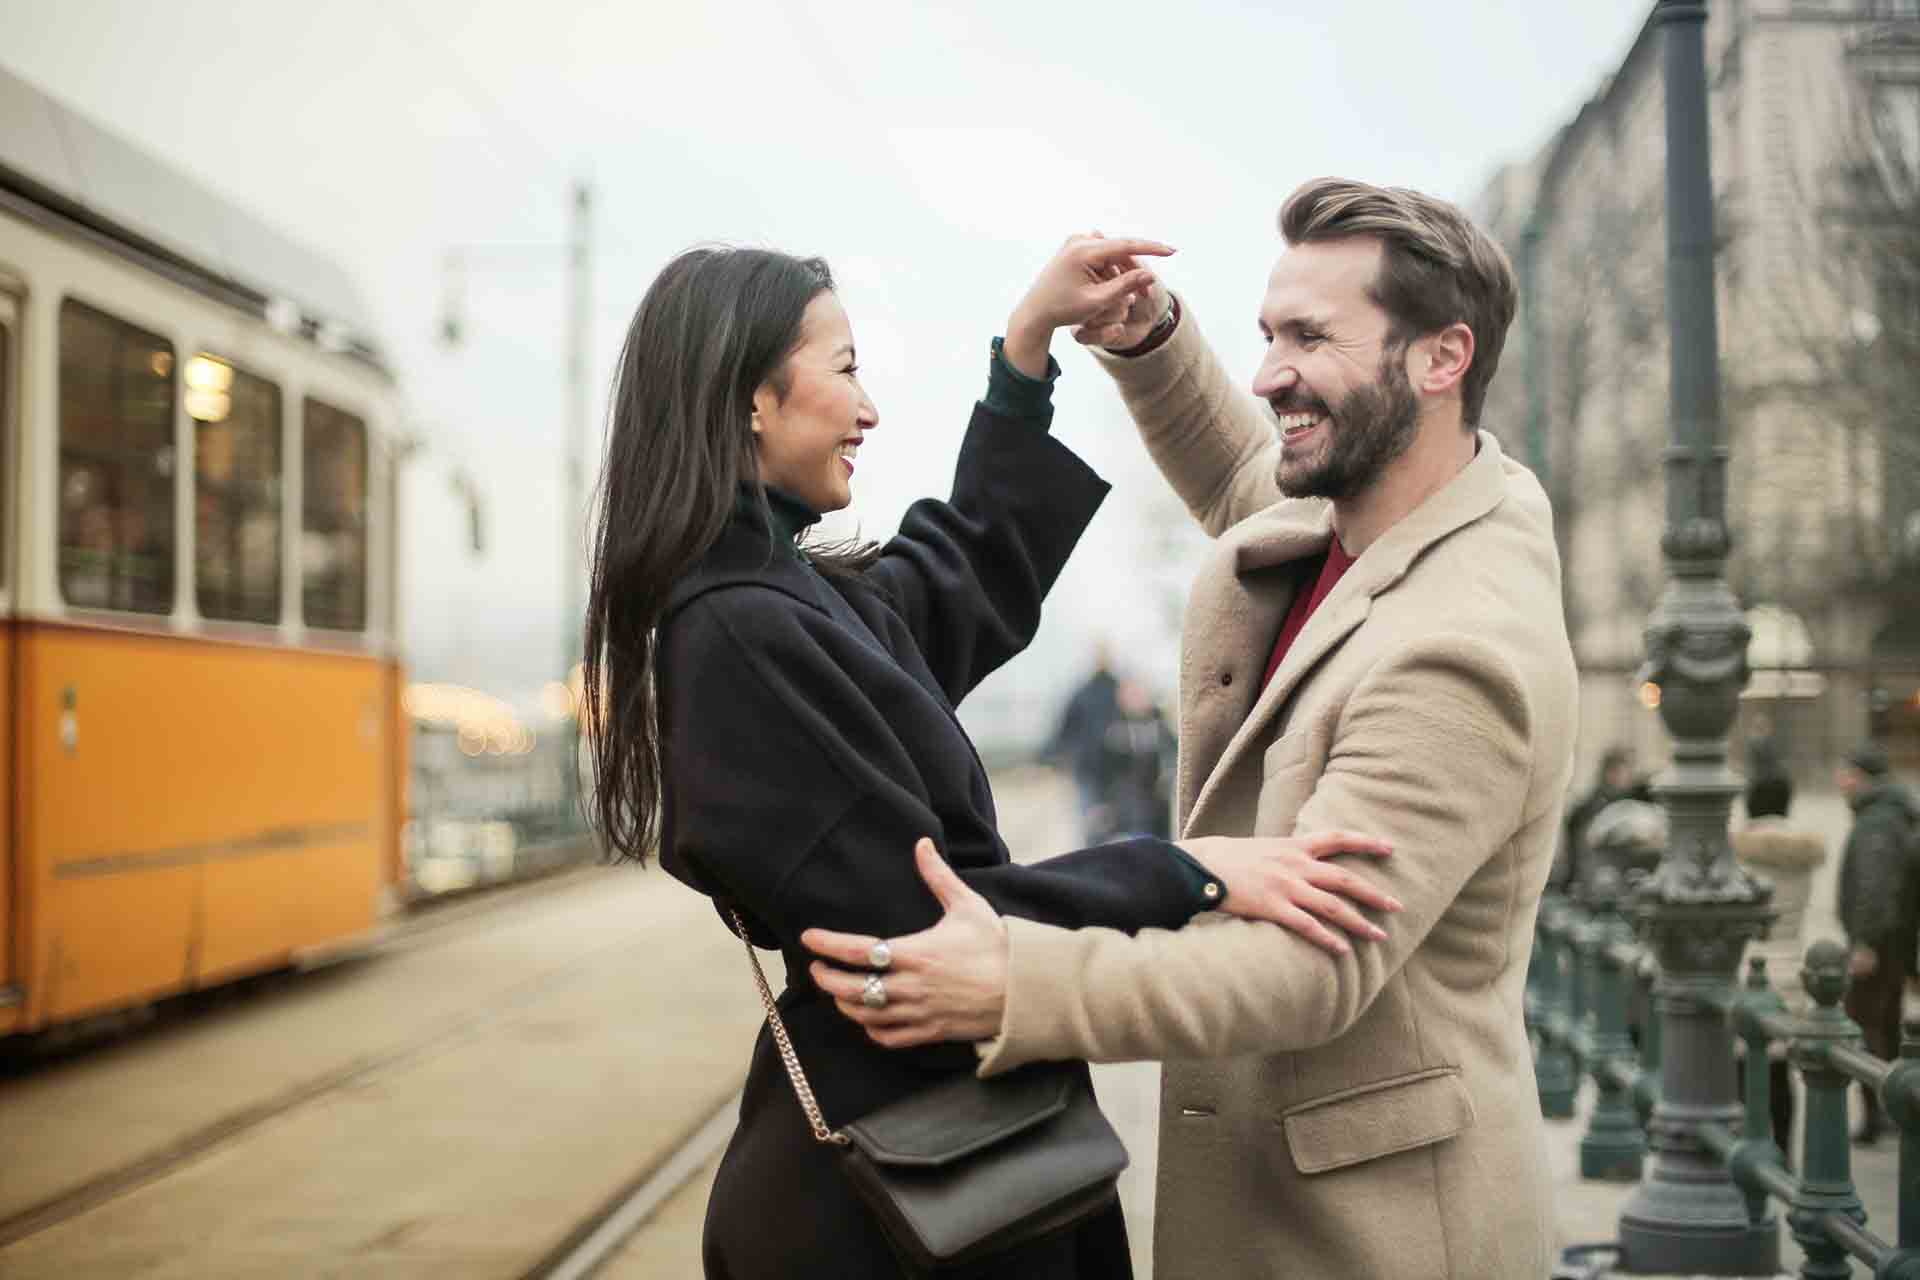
1077,739
811,738
1877,882
1137,759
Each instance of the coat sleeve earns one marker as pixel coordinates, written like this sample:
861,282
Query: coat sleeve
968,575
1210,439
1432,752
792,797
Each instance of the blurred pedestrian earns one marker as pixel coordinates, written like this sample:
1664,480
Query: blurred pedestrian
1877,906
1078,741
776,716
1613,781
1136,767
1788,855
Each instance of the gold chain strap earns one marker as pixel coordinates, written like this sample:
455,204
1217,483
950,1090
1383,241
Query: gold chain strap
801,1088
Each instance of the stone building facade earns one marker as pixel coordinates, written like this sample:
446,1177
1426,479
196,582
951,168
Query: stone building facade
1815,110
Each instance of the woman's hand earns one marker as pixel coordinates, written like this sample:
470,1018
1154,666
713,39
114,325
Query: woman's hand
1128,322
1284,879
1091,279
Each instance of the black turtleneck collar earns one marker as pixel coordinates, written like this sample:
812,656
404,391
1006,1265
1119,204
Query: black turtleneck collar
791,517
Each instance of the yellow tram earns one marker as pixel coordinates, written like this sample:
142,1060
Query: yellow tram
200,727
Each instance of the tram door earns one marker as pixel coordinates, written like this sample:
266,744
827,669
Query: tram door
10,418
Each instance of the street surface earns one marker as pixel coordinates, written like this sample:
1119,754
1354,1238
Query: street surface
478,1090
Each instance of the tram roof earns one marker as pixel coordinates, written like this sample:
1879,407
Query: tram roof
79,172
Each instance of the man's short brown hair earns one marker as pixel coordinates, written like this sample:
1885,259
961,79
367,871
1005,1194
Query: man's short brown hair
1437,269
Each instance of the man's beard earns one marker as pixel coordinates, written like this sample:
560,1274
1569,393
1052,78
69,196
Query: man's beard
1369,429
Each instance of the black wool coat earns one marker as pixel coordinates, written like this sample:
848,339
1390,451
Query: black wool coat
809,739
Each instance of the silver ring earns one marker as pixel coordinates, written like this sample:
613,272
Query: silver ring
874,994
879,956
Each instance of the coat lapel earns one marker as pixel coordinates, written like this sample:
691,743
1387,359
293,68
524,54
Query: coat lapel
1288,532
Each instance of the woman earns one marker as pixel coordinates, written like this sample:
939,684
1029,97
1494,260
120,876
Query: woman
787,711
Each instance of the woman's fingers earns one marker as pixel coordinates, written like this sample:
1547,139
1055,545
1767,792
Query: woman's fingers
1110,249
1325,844
1304,924
1349,884
1337,910
1114,292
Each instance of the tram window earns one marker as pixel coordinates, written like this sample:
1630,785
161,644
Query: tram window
333,533
236,495
116,463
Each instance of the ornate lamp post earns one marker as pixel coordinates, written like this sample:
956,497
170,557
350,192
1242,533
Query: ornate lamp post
1699,907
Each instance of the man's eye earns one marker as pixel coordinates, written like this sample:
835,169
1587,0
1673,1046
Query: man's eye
1309,338
852,368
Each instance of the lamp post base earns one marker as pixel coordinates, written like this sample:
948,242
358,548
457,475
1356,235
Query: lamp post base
1685,1227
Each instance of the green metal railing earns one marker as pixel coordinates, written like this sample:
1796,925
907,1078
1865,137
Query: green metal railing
1587,974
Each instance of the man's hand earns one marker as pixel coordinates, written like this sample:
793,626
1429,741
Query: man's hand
1283,879
1126,324
948,982
1863,962
1084,283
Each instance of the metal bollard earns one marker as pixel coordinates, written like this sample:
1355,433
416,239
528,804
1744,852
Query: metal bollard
1646,1090
1614,1144
1826,1179
1555,1075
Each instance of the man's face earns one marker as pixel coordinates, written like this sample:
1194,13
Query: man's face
1337,384
1849,780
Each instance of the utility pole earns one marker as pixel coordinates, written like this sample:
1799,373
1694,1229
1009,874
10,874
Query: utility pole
573,513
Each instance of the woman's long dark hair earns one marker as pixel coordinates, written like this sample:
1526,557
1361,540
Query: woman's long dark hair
715,324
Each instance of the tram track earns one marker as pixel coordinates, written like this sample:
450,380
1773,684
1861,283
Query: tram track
603,1233
112,1184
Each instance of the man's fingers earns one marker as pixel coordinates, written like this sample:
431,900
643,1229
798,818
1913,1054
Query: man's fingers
1347,884
843,984
948,888
1114,291
1325,844
1337,910
1313,931
846,948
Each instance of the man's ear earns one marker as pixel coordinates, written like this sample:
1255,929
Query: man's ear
1448,356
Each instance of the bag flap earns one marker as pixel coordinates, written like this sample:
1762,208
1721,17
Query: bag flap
960,1116
1377,1119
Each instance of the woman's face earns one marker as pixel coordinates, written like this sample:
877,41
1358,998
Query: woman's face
808,439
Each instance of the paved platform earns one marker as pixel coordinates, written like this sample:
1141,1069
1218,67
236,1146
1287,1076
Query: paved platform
455,1105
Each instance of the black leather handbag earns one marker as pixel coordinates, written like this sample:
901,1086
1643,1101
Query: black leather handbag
969,1167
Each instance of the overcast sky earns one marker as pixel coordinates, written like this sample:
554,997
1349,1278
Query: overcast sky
934,153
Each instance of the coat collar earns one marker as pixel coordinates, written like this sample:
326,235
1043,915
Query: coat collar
1294,530
749,549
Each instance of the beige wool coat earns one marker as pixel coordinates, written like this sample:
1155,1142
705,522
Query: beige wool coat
1789,857
1372,1116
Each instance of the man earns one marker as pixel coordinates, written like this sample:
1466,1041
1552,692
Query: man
1077,739
1877,907
1615,782
1375,645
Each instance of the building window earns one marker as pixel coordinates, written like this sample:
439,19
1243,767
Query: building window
236,496
333,524
116,463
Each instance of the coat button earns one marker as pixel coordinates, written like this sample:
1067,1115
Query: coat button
1212,890
1226,678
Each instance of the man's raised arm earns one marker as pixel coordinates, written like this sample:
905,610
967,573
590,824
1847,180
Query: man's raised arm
1210,439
